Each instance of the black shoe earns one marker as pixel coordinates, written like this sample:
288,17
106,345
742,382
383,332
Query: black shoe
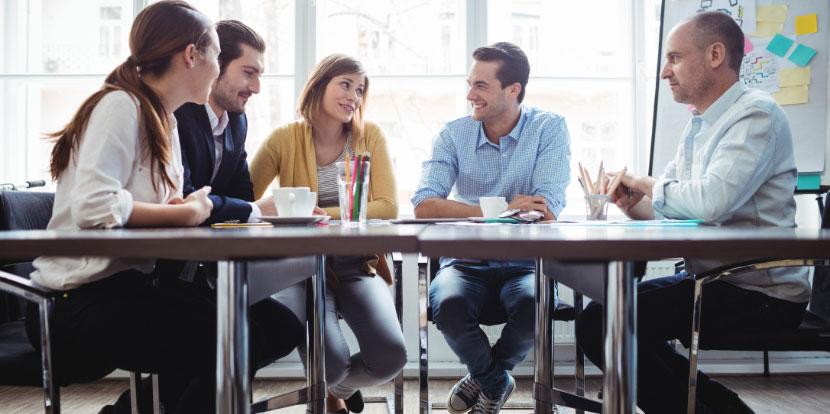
355,402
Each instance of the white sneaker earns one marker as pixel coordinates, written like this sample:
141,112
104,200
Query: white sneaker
463,395
485,405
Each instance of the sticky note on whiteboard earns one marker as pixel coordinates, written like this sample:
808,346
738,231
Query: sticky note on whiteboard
793,77
806,24
802,55
792,95
780,45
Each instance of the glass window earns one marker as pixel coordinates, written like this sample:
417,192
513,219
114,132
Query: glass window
417,37
271,19
566,38
98,41
411,111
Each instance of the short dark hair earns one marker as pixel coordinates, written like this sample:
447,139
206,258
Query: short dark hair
513,67
713,26
232,35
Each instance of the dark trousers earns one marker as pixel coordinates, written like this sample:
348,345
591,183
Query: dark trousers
664,311
131,322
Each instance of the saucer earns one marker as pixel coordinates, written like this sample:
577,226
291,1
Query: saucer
296,221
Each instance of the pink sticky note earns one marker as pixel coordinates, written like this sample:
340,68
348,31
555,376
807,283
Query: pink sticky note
747,46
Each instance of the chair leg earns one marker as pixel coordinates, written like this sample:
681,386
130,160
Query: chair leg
579,365
766,363
135,391
398,270
156,396
693,346
51,388
423,339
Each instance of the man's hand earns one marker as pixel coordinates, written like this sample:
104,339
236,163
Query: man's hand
527,202
267,206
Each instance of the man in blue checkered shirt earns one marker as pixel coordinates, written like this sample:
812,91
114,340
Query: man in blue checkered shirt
504,149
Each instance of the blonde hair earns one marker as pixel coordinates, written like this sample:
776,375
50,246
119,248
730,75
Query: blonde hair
311,99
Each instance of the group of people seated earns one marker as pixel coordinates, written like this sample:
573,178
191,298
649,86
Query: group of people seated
162,143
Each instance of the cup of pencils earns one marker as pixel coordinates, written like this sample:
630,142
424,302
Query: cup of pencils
598,191
353,188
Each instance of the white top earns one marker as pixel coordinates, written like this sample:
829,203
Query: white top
217,126
97,190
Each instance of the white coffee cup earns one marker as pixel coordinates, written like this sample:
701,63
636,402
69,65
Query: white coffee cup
491,207
294,201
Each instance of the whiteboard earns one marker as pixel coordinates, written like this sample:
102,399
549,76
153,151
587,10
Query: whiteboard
807,121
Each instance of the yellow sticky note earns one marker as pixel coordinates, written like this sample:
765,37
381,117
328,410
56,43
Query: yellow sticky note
806,24
773,13
768,29
793,77
792,95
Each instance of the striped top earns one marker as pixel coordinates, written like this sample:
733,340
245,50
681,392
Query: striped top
327,178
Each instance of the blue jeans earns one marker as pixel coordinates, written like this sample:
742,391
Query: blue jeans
464,295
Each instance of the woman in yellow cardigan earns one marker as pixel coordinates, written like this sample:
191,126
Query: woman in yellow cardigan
303,154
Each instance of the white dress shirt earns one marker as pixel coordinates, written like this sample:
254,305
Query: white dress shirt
217,126
735,167
97,189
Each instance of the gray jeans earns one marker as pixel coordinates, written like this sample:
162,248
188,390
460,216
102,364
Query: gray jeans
365,304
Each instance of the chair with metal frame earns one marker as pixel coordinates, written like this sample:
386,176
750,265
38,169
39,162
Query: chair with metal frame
812,335
427,269
20,364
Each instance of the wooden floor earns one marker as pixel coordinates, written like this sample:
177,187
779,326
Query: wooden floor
805,394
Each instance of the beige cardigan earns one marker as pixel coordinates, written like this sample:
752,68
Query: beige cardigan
288,155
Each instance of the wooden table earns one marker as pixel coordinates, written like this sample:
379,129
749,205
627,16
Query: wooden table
615,246
231,248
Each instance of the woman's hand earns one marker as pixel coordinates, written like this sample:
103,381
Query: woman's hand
200,206
319,211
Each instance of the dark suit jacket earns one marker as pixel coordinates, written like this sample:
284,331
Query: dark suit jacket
231,188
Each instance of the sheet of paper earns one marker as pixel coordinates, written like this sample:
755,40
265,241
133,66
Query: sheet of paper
793,77
759,68
775,13
802,55
806,24
768,29
792,95
780,45
742,11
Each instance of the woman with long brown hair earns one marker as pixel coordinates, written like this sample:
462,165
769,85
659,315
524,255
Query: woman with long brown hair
304,153
118,164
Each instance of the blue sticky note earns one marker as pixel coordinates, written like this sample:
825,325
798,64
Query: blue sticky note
779,45
801,55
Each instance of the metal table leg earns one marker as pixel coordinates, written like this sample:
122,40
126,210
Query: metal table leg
543,380
423,340
316,355
619,386
232,370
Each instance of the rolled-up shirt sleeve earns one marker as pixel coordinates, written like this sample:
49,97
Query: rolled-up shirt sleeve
105,160
439,172
551,174
740,164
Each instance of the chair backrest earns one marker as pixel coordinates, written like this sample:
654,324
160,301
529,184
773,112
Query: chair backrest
820,295
21,210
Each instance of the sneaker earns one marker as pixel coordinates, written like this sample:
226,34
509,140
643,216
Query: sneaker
463,395
485,405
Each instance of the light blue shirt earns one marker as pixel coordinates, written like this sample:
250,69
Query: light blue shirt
533,159
735,166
